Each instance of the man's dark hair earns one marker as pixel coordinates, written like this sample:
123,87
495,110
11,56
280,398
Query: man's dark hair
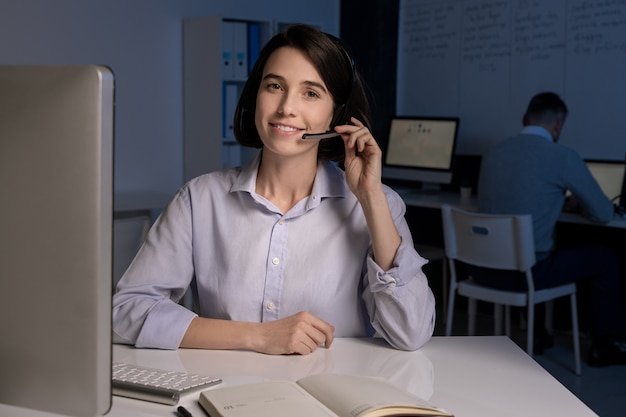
545,108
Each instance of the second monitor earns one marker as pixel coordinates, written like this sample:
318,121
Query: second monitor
609,175
421,150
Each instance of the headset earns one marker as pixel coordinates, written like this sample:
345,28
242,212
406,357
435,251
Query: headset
340,115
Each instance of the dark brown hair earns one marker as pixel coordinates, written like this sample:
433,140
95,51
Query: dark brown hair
544,108
338,72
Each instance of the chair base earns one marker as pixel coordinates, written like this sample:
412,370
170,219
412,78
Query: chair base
500,321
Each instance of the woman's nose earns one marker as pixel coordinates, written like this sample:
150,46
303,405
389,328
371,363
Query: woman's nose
287,105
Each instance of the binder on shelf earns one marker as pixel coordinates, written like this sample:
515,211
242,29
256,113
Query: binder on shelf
225,155
240,49
235,155
231,155
227,49
230,97
254,44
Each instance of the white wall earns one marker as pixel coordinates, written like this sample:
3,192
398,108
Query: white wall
483,60
141,40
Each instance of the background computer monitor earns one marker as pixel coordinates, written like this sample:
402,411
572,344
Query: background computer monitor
609,175
621,204
421,150
56,175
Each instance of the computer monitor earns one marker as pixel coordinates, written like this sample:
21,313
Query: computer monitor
621,205
609,175
56,176
421,150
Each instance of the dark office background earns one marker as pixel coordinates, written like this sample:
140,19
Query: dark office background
370,30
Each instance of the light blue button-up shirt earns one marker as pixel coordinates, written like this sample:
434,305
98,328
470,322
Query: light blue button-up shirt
247,261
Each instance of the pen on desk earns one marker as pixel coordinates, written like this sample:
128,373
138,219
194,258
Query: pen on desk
182,412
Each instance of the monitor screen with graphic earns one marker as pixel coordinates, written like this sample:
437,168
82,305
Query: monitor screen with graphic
421,149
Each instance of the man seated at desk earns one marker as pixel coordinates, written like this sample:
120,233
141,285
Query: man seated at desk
530,174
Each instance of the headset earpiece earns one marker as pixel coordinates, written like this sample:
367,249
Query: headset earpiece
339,117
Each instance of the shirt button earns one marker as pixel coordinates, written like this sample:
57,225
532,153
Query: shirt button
275,261
270,305
281,221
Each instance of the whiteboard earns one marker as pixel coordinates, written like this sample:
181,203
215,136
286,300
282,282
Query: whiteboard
482,61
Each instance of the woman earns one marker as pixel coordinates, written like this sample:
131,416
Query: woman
288,251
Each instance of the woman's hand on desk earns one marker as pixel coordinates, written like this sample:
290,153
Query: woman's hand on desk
301,333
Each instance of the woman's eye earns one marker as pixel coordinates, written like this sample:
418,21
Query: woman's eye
273,86
312,94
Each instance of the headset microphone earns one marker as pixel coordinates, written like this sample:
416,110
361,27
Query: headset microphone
339,114
325,135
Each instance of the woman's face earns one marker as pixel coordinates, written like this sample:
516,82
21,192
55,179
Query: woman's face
292,100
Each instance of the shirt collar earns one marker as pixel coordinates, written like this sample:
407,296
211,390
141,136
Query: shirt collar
329,180
537,130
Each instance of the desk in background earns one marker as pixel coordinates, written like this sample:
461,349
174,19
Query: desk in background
435,201
487,376
572,230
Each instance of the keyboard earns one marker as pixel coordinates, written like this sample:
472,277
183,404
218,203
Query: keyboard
156,385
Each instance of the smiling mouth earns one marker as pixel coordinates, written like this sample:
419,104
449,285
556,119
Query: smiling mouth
286,129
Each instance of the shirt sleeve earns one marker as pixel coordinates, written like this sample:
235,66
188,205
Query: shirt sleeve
399,302
146,312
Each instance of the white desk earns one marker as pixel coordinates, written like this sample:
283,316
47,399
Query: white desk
435,201
486,376
470,376
618,222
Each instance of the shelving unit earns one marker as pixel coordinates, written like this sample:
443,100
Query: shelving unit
218,56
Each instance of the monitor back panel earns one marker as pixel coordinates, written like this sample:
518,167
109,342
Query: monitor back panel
56,153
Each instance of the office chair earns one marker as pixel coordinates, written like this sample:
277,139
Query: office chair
503,242
129,232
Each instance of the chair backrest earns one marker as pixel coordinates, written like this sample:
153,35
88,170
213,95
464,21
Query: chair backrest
489,240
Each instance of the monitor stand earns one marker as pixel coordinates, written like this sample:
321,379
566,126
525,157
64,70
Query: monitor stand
428,188
406,187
